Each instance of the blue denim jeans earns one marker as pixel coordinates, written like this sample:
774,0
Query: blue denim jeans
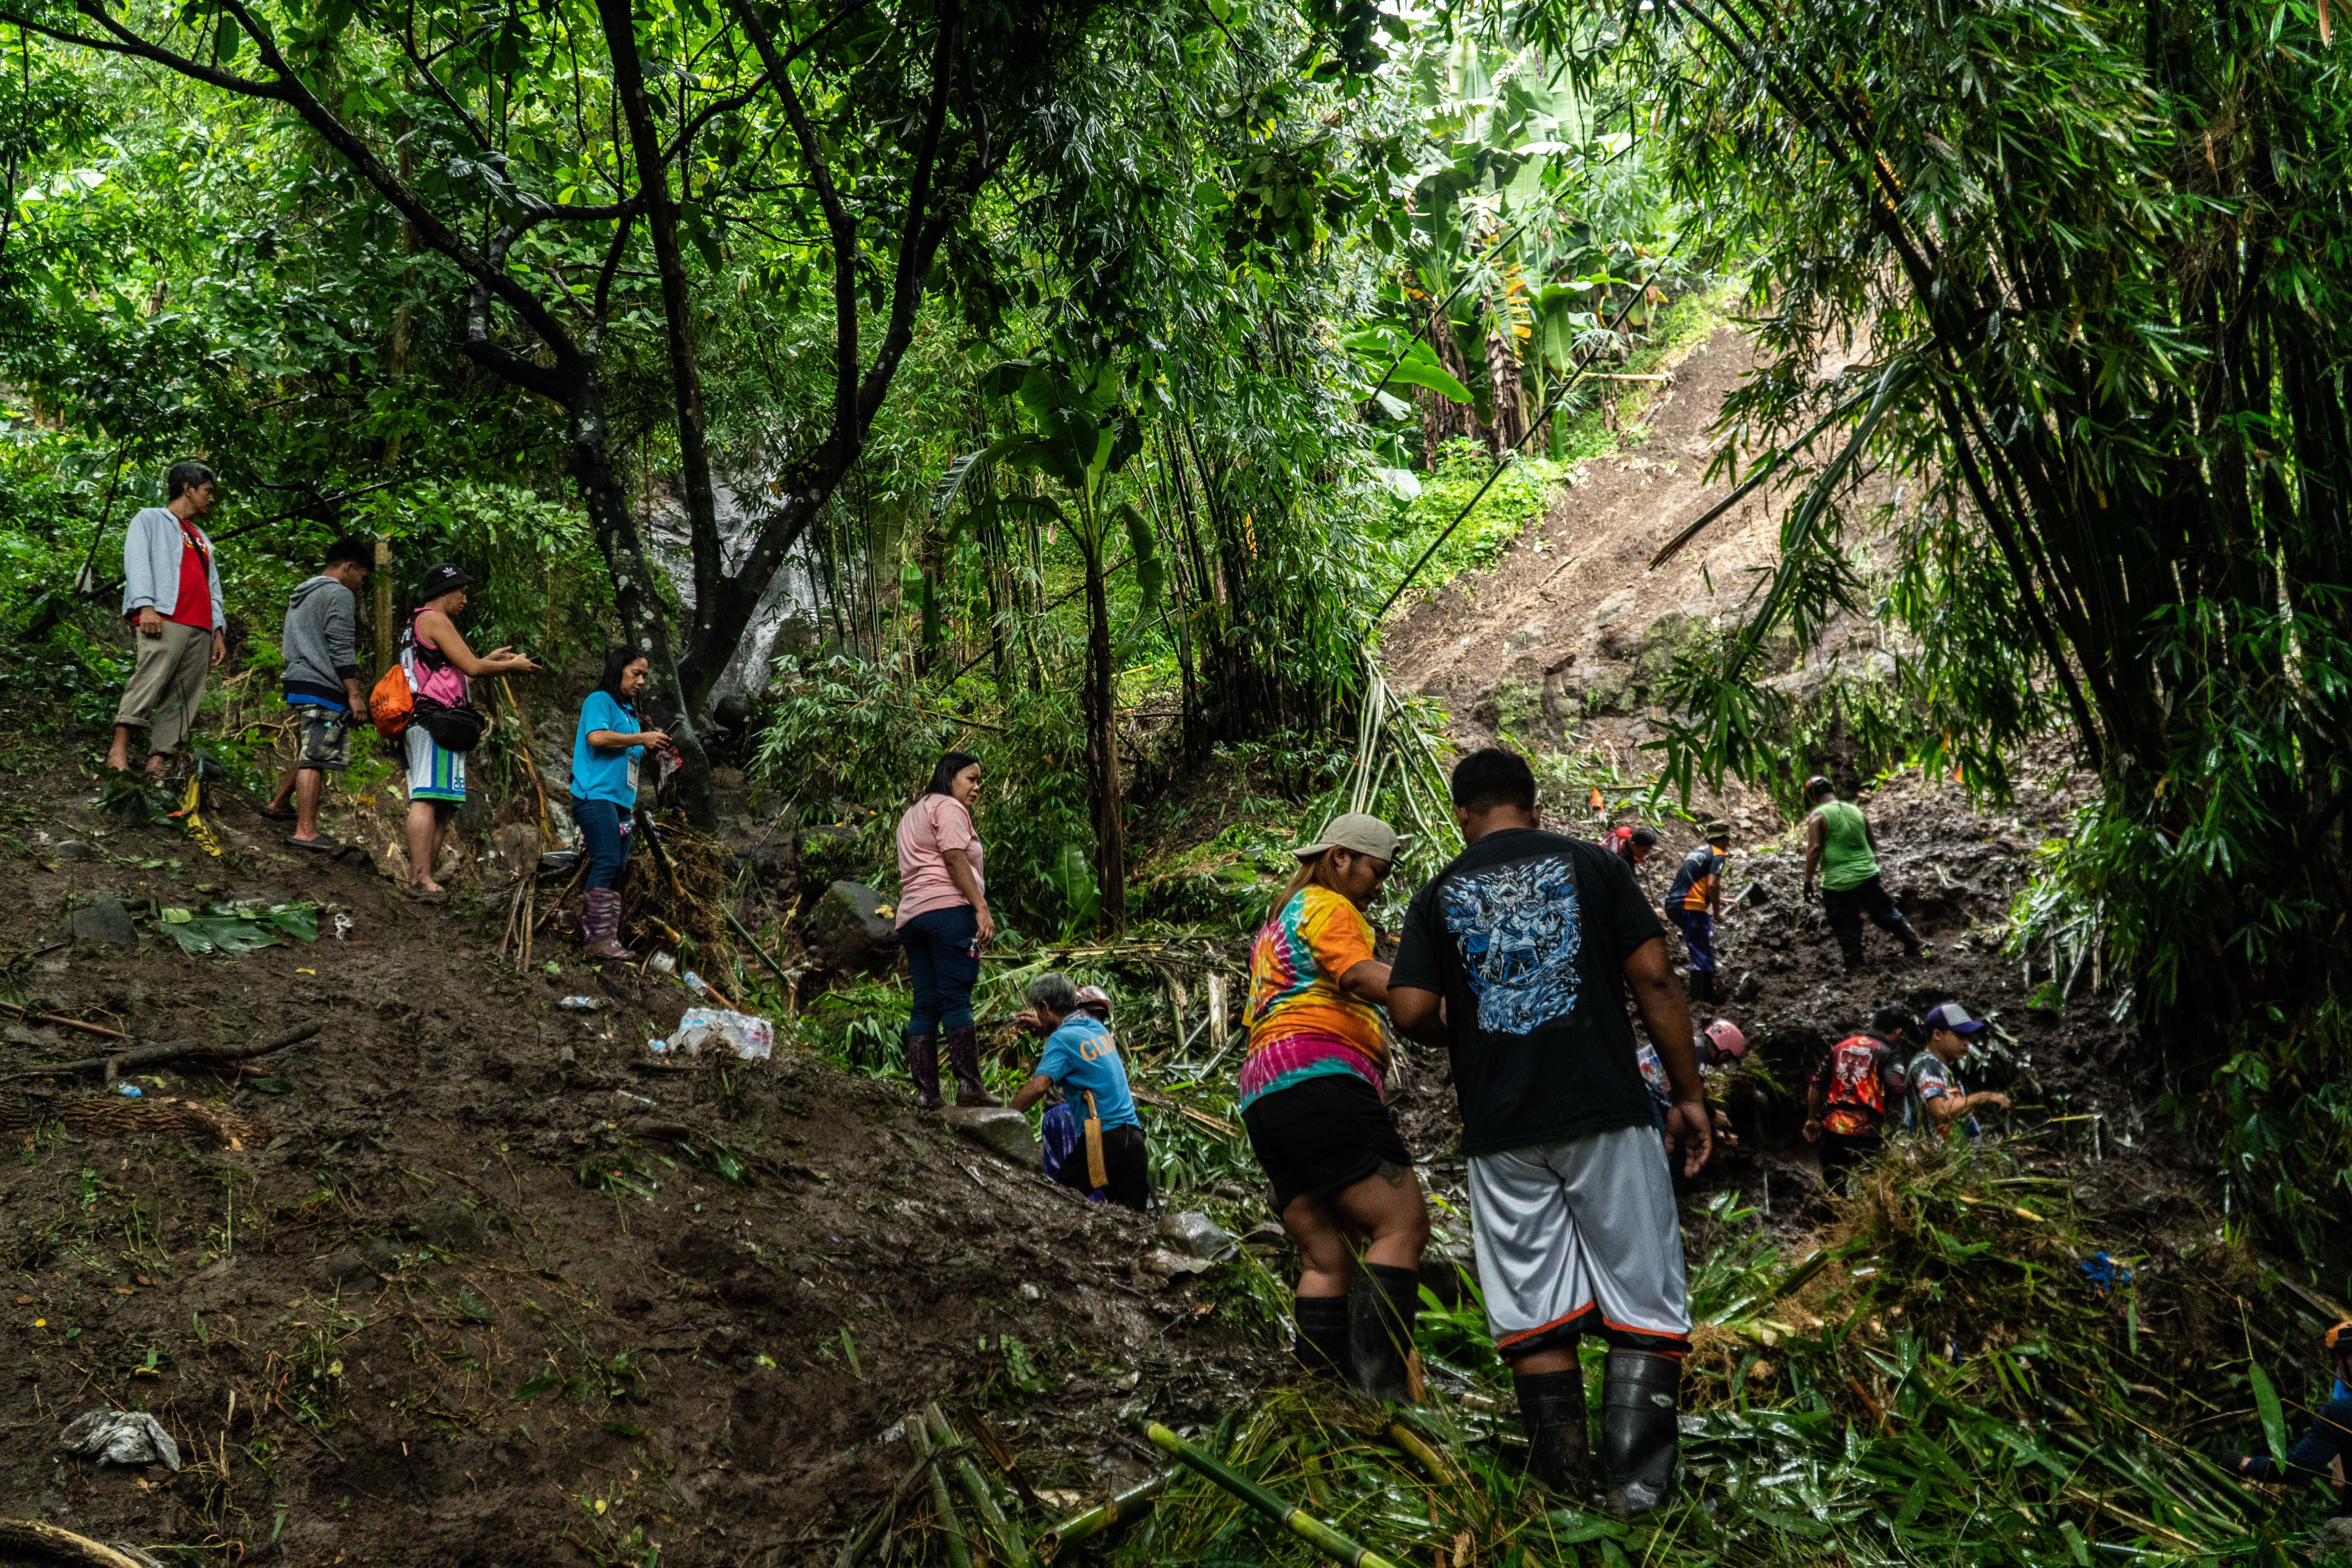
1698,935
943,964
603,838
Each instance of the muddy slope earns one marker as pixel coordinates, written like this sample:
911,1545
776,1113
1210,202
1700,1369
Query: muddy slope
1563,642
421,1290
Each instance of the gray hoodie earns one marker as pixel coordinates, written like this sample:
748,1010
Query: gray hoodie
318,642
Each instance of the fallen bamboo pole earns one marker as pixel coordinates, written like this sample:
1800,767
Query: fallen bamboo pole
1298,1521
975,1486
661,856
753,943
1106,1515
1412,1443
862,1539
942,1501
100,1030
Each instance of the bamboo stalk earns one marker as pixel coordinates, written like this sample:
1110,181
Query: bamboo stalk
942,1501
1412,1443
753,943
546,821
1108,1514
862,1540
1299,1522
975,1486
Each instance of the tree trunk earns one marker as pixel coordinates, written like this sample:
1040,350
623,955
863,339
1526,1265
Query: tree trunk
635,595
1102,746
1441,418
1506,394
686,382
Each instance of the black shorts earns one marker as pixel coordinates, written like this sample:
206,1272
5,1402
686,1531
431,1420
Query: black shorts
1125,1161
1322,1136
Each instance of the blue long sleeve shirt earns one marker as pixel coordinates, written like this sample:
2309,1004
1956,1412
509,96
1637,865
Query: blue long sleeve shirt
2327,1438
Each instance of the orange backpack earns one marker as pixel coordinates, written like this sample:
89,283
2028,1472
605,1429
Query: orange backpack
391,702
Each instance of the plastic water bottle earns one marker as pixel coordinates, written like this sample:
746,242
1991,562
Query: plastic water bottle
582,1003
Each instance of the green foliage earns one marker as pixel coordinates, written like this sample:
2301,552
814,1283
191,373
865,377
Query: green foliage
1520,496
2095,255
234,929
1938,1383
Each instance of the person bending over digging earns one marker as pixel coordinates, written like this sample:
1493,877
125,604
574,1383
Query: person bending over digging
1082,1060
1859,1080
1518,957
1310,1098
2326,1441
1060,1134
606,750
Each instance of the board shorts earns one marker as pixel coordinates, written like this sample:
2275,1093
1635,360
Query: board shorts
323,738
1581,1237
1322,1136
434,774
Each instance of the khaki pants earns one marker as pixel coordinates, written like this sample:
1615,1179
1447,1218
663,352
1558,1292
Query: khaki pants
167,684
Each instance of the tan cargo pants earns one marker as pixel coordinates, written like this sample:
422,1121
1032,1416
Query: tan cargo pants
166,686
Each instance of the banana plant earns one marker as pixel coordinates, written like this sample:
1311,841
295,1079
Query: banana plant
1080,434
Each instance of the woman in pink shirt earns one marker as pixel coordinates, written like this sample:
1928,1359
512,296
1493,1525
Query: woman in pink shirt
943,922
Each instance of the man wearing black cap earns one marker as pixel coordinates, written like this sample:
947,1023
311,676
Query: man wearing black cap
1939,1101
441,671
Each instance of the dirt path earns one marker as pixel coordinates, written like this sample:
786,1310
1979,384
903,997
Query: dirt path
1574,596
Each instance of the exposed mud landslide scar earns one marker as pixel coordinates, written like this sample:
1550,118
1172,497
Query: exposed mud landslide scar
458,1280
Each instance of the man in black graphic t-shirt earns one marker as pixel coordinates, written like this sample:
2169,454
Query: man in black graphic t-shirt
1518,957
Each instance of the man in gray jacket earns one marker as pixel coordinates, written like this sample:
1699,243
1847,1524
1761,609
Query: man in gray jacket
322,683
171,591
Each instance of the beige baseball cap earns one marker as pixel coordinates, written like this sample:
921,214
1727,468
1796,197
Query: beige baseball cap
1359,831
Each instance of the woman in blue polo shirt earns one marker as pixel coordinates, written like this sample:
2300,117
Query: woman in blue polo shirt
1082,1058
605,751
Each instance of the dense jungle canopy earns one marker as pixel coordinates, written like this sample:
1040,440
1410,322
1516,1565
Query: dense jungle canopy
1086,382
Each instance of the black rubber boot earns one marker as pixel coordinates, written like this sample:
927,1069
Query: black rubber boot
963,1056
1322,1324
923,1067
1559,1446
1912,948
1702,985
1640,1437
1380,1311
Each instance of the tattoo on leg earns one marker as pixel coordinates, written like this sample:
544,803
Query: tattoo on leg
1394,1175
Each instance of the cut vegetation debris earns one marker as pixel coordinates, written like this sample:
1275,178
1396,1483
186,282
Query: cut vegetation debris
1937,1381
235,930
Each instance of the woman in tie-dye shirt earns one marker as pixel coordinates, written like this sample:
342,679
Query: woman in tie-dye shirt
1310,1098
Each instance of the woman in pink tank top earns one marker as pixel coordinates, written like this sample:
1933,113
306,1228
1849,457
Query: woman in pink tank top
943,922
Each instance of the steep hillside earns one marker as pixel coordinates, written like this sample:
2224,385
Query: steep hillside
466,1277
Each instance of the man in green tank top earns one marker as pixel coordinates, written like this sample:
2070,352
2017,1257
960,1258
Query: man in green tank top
1840,849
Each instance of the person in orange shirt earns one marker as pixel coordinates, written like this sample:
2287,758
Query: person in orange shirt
1310,1096
1695,902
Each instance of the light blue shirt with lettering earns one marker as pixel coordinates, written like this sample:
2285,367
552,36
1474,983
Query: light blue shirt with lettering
1083,1058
